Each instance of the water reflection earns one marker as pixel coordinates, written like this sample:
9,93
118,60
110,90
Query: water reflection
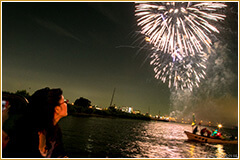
121,138
167,140
192,148
220,153
158,140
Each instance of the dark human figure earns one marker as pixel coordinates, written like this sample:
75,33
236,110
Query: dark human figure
5,137
208,133
205,130
37,134
13,107
195,130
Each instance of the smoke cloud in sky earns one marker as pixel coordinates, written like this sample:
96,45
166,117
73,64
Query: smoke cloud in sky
214,100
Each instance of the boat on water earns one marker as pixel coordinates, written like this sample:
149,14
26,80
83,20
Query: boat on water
204,139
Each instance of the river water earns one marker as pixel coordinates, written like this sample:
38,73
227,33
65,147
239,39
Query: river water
94,137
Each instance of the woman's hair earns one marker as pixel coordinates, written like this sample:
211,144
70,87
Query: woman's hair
42,106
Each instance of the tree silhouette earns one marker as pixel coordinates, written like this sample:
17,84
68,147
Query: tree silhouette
82,102
23,93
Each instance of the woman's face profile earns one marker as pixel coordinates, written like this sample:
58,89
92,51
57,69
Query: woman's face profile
63,107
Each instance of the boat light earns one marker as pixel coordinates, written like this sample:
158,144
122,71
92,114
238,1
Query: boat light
219,126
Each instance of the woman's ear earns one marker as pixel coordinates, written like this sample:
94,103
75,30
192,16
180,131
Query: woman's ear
57,109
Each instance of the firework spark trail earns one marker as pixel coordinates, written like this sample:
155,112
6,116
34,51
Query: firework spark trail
179,33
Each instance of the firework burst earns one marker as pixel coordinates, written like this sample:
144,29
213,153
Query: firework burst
179,72
179,33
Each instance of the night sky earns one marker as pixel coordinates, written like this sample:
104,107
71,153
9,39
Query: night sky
87,49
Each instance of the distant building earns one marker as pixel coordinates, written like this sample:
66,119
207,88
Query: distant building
124,109
130,110
98,108
137,112
127,109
